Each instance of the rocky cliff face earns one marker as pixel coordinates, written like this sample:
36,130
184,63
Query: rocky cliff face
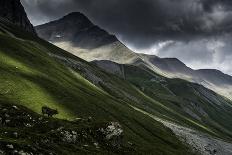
13,11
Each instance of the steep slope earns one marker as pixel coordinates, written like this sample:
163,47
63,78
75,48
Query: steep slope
78,35
13,11
191,102
84,40
35,73
187,99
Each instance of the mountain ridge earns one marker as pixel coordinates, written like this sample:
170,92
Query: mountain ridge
119,53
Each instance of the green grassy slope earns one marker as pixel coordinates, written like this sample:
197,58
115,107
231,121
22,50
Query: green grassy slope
31,78
180,101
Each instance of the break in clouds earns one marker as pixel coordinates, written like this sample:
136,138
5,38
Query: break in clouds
198,32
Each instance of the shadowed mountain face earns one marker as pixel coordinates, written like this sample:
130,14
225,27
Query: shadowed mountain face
175,66
76,29
172,65
76,34
13,11
215,76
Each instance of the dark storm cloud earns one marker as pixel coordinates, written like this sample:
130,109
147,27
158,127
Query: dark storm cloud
189,26
143,21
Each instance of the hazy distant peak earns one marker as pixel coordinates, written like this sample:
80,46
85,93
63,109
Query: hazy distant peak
212,71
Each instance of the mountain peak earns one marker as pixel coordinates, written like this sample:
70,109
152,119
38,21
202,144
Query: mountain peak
77,29
13,11
77,16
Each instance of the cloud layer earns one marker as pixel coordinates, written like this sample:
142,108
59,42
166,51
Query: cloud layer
195,31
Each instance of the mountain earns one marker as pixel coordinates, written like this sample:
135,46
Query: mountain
210,78
215,76
129,110
77,28
13,11
35,73
78,35
188,100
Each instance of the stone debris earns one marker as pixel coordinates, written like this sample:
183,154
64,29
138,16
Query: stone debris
113,134
69,137
106,136
113,129
10,146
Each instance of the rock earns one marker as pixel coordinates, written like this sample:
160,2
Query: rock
15,134
4,110
96,145
10,146
113,134
113,129
69,137
7,116
15,107
90,119
23,153
74,132
28,125
60,128
77,119
15,152
13,11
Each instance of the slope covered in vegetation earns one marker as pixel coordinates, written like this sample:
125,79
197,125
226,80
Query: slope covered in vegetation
32,77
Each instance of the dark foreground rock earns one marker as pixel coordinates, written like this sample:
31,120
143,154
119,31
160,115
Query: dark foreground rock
13,11
23,132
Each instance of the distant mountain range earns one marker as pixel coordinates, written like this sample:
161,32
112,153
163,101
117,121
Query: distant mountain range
78,35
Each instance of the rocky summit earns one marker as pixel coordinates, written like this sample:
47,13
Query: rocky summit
77,29
13,11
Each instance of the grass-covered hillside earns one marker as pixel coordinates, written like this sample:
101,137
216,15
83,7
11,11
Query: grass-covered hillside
35,73
176,100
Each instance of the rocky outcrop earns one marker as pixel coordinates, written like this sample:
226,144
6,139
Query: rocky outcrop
31,133
13,11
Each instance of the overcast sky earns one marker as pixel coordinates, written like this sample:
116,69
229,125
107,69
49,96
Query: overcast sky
198,32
